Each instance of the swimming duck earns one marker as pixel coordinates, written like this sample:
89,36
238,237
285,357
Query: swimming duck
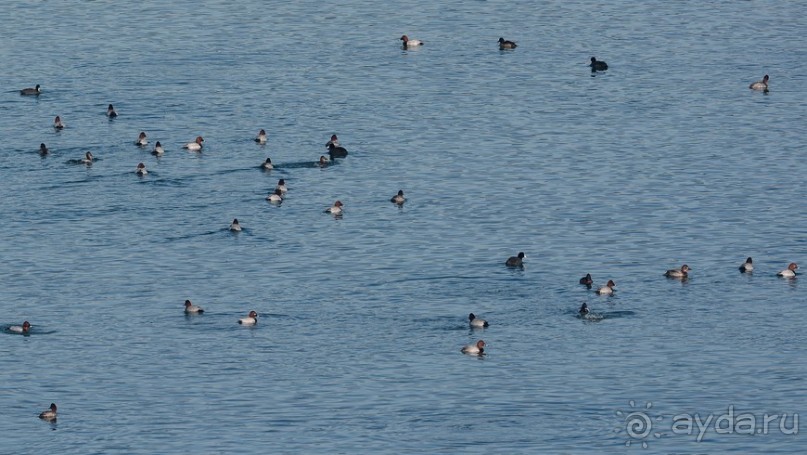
334,140
587,280
43,150
398,198
683,272
49,414
267,165
88,158
790,271
57,123
760,85
477,322
335,209
110,112
158,149
281,185
196,145
31,91
276,197
141,139
192,309
141,169
504,44
515,261
598,65
608,289
261,137
235,226
474,349
24,328
747,266
407,43
335,151
251,319
583,309
322,161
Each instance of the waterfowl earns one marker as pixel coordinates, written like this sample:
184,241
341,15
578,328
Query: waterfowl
42,149
57,123
192,309
251,319
267,165
276,197
235,226
281,185
790,271
608,289
515,261
336,151
474,349
88,158
158,149
24,328
504,44
598,65
31,91
747,266
141,139
587,280
583,309
49,414
141,169
334,140
683,272
398,198
477,322
322,161
760,85
407,43
335,209
261,137
195,145
110,112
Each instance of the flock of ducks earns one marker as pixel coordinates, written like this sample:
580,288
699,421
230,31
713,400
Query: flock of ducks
335,150
677,274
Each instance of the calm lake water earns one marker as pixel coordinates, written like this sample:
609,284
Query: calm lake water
667,158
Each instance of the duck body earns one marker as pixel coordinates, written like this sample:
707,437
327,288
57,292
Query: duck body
608,289
24,328
790,271
57,123
235,226
474,349
505,44
409,43
158,149
683,272
196,145
261,137
586,280
747,266
398,198
515,261
477,322
110,111
141,139
49,414
251,319
336,151
31,91
335,209
598,65
190,308
761,85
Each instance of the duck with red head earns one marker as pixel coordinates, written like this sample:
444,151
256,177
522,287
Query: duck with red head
49,414
251,319
790,271
410,43
680,274
24,328
335,209
474,349
608,289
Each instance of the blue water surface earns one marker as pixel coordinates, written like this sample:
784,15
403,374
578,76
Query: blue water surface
667,158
